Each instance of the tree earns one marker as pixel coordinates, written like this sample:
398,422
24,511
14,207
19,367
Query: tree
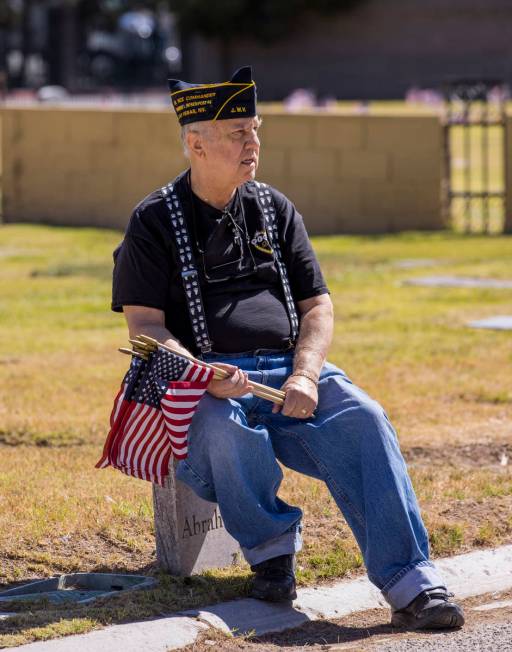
265,21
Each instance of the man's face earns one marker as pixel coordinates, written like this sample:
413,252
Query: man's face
232,151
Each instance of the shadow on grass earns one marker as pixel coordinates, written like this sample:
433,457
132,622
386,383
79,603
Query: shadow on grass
22,437
102,271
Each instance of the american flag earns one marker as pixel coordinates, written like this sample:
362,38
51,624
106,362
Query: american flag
155,423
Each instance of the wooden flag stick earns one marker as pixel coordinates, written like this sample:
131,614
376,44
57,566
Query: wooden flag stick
269,393
136,354
263,391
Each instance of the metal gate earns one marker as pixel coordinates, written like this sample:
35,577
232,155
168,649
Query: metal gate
475,151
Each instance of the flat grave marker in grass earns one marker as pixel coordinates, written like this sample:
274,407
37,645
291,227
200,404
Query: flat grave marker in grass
413,263
498,323
459,282
80,588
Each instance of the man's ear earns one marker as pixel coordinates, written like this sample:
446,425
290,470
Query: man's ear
195,144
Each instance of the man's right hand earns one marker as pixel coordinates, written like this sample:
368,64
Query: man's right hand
236,385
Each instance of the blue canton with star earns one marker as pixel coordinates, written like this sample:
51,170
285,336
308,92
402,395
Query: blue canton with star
163,367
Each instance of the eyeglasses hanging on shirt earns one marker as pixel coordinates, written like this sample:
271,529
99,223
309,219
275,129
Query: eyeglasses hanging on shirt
226,254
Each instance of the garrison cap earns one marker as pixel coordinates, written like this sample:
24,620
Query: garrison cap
220,101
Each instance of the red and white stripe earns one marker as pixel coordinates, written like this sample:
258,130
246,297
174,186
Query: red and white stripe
148,436
116,417
179,404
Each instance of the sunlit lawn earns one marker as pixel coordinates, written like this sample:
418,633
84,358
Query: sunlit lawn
447,387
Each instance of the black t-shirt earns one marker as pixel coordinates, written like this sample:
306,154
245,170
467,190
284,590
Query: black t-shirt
243,298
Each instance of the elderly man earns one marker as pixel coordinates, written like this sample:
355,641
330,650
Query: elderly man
221,266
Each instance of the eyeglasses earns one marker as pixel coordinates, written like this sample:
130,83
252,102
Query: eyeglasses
239,234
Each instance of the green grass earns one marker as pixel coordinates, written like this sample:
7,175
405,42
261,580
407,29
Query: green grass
445,386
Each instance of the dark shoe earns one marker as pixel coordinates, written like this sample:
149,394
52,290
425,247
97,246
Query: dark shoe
431,609
275,579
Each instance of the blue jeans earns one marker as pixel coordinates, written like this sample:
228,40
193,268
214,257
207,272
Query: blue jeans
350,445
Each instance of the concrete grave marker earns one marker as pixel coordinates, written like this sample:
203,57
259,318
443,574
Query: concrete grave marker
412,263
459,282
190,532
498,323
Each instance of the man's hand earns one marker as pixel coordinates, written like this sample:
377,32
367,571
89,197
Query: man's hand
301,398
236,385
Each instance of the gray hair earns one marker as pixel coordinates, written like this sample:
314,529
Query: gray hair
204,128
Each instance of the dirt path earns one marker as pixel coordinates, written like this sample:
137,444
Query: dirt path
486,630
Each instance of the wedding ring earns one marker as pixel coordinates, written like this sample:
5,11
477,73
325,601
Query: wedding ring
304,411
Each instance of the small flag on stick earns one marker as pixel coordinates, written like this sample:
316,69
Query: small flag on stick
150,420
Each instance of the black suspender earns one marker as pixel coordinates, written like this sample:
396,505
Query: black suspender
188,270
189,273
269,210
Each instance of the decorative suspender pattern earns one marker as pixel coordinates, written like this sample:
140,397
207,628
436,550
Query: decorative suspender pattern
267,204
188,270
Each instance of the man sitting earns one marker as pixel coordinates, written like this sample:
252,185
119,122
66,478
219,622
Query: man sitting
221,266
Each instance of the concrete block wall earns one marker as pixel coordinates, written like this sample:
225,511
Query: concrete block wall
84,167
507,227
345,173
356,174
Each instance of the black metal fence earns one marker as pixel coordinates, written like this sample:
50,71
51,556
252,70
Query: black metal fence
474,153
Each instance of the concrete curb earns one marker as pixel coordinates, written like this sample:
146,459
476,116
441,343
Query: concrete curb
471,574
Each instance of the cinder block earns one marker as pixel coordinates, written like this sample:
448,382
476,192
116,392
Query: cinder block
56,126
10,128
421,165
381,200
133,128
92,190
162,161
364,165
312,163
507,227
142,129
368,224
91,126
165,129
286,131
273,164
395,207
62,157
40,125
345,132
336,205
301,193
403,133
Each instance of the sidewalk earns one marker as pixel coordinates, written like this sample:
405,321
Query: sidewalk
467,575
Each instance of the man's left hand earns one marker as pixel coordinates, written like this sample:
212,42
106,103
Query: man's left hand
301,398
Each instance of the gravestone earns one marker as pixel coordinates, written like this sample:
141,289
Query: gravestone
498,323
460,282
190,532
413,263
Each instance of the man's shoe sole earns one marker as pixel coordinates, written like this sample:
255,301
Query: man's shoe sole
442,617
